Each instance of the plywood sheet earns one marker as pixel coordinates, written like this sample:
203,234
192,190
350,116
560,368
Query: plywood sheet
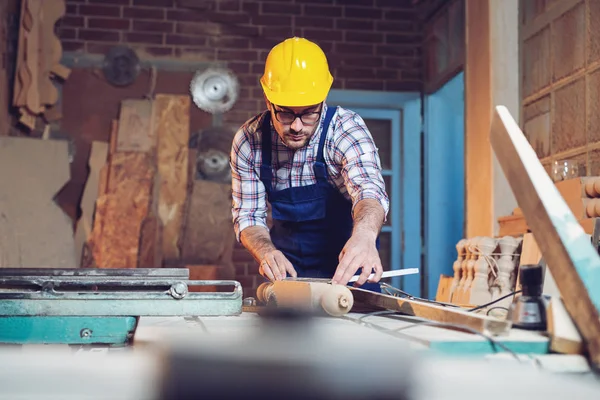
171,119
135,130
209,235
34,231
121,211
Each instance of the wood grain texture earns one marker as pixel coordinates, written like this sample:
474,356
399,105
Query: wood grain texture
209,236
171,119
478,107
34,231
121,211
571,258
135,126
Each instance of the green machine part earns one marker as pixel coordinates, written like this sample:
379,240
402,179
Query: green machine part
94,306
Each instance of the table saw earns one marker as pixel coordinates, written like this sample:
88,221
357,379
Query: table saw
103,306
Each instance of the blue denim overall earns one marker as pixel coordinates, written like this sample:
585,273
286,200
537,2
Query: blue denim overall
311,224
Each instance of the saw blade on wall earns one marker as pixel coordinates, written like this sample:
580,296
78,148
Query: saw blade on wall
214,90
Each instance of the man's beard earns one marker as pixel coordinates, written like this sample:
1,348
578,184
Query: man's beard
298,142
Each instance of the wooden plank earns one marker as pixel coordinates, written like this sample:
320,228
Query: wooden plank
564,337
135,130
34,230
478,105
83,231
432,312
171,120
209,237
572,259
121,211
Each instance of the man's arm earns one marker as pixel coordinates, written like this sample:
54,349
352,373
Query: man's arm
361,170
249,211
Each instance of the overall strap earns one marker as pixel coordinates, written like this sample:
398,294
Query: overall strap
266,172
320,168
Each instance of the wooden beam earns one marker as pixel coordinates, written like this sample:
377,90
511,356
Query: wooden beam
478,112
573,261
433,312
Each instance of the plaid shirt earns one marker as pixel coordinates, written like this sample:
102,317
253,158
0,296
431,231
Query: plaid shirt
350,154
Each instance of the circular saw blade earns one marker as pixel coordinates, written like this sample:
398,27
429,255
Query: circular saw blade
214,90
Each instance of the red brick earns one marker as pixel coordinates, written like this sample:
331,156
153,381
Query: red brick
363,12
253,267
269,20
71,9
120,2
239,30
229,5
100,11
200,28
322,11
315,22
154,3
108,23
315,1
246,281
407,4
280,8
252,8
240,68
182,15
400,15
365,3
149,38
259,69
323,34
403,38
159,51
387,74
397,26
229,42
240,270
67,33
402,63
98,48
143,13
277,32
365,37
356,72
153,26
226,18
74,1
73,21
355,24
347,48
360,61
396,50
98,35
197,54
72,45
181,40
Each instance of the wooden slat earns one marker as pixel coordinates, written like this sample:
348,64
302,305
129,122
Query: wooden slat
135,131
171,120
572,259
432,312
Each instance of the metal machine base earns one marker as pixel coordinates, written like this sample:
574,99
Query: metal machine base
102,306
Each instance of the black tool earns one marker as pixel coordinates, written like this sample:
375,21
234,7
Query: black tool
529,310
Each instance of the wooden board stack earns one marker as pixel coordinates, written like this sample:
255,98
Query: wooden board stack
142,188
38,60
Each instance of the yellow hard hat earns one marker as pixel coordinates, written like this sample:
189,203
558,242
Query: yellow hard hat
296,74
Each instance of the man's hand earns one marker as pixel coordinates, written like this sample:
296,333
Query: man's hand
360,251
275,265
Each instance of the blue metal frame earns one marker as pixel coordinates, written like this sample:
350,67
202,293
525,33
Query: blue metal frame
405,109
444,180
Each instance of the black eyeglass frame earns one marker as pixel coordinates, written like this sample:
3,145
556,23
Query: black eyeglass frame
299,115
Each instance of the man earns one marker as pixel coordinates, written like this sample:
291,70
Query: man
320,171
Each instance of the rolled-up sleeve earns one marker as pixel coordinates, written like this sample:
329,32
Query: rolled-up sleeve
361,166
248,193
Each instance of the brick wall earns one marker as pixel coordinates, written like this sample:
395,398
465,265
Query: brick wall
371,44
561,81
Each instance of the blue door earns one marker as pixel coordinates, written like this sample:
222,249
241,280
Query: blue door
394,120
